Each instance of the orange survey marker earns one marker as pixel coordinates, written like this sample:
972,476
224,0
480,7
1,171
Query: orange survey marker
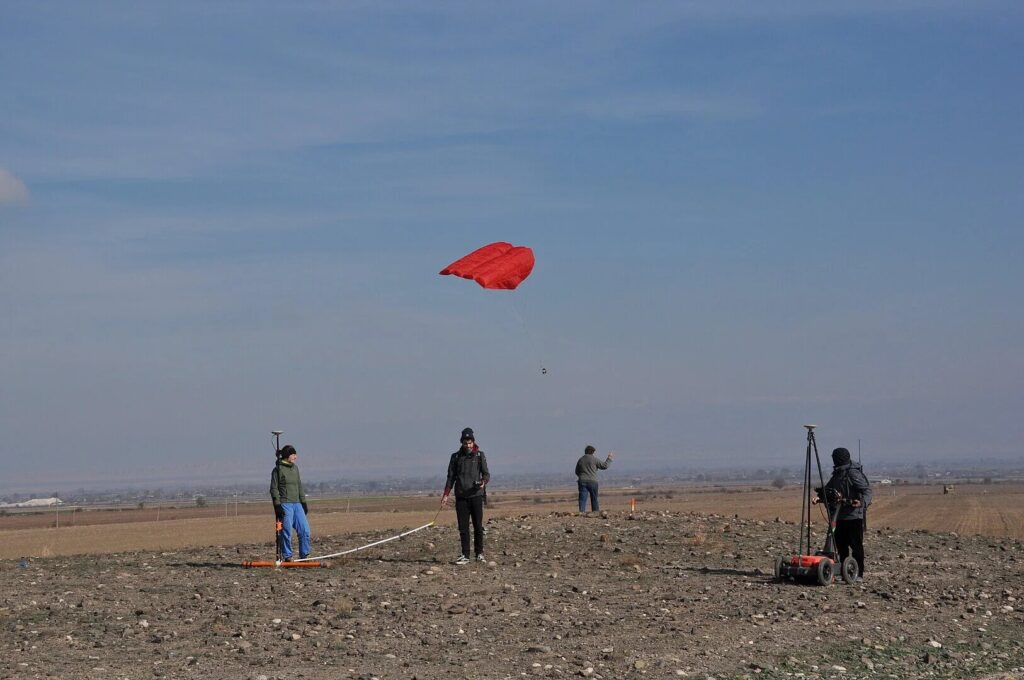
632,505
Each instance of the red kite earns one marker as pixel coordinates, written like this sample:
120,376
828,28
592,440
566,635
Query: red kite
500,266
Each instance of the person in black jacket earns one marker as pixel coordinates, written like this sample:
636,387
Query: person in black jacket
468,477
849,488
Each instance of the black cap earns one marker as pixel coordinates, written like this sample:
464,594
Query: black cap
467,434
841,456
286,451
589,449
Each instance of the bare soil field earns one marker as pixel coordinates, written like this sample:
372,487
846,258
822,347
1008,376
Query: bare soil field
681,588
660,593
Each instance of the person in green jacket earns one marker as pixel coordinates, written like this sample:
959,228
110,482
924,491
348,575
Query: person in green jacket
289,503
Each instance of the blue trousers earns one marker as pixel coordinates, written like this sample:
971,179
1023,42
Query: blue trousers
294,518
591,489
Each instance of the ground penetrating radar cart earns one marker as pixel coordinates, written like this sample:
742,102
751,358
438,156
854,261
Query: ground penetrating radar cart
820,567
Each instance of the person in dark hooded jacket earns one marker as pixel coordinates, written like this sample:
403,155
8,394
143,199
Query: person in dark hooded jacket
849,488
468,477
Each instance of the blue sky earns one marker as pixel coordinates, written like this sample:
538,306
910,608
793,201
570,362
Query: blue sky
217,219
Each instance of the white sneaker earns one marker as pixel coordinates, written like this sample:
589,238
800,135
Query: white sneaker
462,560
481,558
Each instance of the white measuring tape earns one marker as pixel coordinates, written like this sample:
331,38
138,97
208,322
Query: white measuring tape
370,545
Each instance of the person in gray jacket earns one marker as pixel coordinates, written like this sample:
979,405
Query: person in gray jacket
849,488
586,477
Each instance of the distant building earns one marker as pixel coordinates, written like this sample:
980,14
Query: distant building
34,503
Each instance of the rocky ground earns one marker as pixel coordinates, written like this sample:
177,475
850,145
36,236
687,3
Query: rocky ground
656,595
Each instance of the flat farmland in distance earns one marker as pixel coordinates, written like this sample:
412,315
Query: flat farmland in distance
65,516
994,510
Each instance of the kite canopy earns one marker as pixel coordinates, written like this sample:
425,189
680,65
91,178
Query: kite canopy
500,266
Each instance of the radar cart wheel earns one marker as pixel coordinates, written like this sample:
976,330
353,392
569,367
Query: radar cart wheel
826,572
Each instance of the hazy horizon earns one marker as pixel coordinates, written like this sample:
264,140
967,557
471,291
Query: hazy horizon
217,220
502,474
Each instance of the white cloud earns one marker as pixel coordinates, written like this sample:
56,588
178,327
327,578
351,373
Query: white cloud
12,189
